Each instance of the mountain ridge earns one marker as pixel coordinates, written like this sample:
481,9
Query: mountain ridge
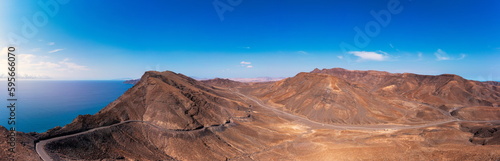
325,113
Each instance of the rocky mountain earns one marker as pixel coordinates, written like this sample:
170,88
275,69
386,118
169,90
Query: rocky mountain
328,99
446,91
495,83
165,116
258,79
329,114
222,82
166,99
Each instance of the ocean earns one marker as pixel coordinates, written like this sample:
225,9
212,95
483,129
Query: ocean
43,105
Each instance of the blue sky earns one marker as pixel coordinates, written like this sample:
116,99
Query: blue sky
100,40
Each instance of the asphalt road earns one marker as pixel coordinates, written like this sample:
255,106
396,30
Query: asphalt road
42,152
320,125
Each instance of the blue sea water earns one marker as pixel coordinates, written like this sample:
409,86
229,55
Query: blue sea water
42,105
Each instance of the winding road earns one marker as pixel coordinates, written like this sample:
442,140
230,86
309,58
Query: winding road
42,152
320,125
40,146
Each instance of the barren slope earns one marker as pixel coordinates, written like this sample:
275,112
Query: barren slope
329,99
166,99
312,116
446,91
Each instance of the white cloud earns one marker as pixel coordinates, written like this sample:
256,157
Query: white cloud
72,66
30,64
302,52
51,43
35,66
441,55
369,55
56,50
48,65
340,57
245,63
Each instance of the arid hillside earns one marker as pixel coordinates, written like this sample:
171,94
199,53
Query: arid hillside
446,91
329,114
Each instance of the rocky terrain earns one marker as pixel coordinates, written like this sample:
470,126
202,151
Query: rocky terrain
495,83
25,146
373,97
328,114
223,82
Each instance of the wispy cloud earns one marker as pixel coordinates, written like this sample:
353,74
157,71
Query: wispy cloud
51,43
56,50
392,46
302,52
33,62
369,55
247,47
340,57
246,64
30,64
442,55
72,66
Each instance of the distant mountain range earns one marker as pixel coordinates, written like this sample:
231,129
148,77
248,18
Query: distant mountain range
258,79
327,114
